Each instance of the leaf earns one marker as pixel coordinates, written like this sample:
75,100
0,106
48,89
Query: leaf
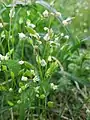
18,50
74,78
21,72
31,30
2,88
10,103
13,66
28,73
28,65
50,104
10,52
52,69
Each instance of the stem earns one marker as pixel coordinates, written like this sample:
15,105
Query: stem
22,49
2,107
11,111
9,34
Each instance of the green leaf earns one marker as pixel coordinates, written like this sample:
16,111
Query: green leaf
28,73
28,65
31,30
10,103
21,72
51,69
4,68
50,104
2,88
74,78
42,96
13,66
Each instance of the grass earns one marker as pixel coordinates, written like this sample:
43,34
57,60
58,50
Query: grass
44,60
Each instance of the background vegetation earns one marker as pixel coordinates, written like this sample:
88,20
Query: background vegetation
45,60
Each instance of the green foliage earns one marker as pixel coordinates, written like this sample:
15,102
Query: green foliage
44,60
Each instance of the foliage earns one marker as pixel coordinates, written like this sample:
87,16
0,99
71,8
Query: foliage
44,60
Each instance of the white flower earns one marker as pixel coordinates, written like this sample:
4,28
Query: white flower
67,37
1,25
28,13
37,89
88,111
21,36
52,13
43,63
85,30
10,89
45,13
2,57
39,42
6,57
49,34
54,87
47,37
36,79
19,101
11,37
20,90
81,14
21,62
32,72
20,20
62,34
57,38
12,13
37,95
67,21
77,10
45,28
49,58
58,14
24,78
85,24
29,24
32,25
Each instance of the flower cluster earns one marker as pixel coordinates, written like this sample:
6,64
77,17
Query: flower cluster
53,86
49,34
2,57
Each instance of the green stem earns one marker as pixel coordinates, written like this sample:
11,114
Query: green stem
11,110
22,49
9,35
